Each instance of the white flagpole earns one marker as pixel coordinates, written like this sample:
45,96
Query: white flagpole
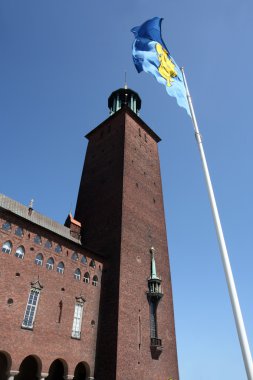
223,250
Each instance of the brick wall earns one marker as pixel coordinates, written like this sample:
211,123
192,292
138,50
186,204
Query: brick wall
50,337
120,201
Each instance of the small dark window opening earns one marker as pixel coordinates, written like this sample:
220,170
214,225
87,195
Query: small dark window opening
48,244
84,260
6,226
10,301
58,249
19,231
37,239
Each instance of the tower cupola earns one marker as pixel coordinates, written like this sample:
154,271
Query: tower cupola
124,97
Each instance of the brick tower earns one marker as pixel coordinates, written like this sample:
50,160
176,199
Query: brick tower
120,205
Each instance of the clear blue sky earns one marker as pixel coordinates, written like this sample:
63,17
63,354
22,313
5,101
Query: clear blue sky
61,59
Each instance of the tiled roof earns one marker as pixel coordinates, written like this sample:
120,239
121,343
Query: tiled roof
16,208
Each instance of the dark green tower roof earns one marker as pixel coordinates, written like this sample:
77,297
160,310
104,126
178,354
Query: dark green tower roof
124,96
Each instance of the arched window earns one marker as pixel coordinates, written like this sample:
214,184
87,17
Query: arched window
6,226
93,264
84,260
7,246
77,274
20,252
39,259
48,244
74,256
95,281
50,264
60,268
19,231
86,278
58,249
37,239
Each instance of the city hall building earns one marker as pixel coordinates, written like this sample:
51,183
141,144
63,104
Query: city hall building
92,298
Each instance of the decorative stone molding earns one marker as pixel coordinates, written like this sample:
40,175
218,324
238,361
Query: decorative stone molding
36,285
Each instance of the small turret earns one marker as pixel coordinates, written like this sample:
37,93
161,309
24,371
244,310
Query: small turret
154,282
154,295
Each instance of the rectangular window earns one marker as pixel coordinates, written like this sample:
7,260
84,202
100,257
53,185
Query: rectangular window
31,307
77,322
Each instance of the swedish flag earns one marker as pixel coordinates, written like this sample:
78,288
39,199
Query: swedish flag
151,55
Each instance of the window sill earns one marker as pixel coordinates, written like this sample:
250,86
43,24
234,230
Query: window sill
27,327
75,337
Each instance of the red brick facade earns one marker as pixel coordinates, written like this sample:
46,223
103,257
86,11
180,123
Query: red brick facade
127,329
124,217
49,338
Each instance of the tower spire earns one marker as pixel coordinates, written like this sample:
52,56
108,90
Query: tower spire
153,265
125,86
